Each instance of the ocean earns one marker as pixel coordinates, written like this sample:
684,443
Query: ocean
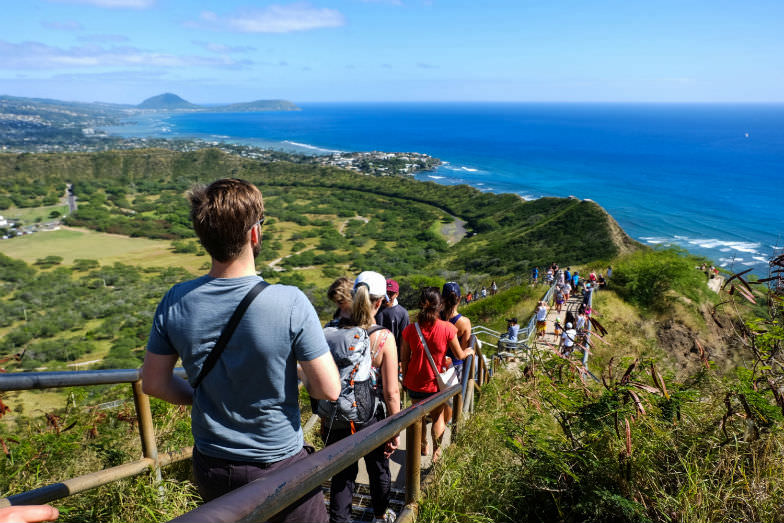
707,177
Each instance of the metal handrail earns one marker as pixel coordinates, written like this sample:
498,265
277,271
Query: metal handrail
261,499
50,380
151,459
300,477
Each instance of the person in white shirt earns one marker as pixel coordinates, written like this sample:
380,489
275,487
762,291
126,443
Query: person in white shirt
567,340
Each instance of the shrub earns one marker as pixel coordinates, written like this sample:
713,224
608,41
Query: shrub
645,277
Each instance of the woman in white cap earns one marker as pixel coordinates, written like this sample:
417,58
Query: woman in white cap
368,294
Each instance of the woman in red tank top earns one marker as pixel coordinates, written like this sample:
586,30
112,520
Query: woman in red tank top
418,376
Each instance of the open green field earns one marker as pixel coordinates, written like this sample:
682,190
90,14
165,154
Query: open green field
29,216
76,243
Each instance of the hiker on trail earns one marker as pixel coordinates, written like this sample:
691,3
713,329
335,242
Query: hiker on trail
601,282
245,417
493,288
559,298
339,293
575,281
484,292
567,341
567,290
541,319
392,315
366,356
560,278
568,276
451,296
418,376
535,276
609,272
508,340
579,324
549,276
570,317
587,292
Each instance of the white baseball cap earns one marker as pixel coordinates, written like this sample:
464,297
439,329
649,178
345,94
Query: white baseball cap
375,282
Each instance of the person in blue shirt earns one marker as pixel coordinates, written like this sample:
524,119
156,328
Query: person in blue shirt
245,417
511,335
576,281
568,275
535,275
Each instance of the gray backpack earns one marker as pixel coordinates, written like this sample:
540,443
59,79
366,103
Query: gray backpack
358,399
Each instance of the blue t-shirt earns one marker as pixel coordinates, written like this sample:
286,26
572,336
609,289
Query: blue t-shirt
246,409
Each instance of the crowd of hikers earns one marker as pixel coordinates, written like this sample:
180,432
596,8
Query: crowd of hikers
243,373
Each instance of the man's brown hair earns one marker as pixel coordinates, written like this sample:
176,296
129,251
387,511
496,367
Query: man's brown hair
223,213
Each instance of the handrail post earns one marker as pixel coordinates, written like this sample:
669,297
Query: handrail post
146,429
413,461
457,413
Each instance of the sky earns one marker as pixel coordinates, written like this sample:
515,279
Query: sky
124,51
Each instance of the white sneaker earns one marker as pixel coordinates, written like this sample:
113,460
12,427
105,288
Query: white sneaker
388,517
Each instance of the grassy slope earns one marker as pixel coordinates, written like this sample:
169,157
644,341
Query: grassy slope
545,230
73,244
520,234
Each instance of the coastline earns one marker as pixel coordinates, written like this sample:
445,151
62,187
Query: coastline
637,193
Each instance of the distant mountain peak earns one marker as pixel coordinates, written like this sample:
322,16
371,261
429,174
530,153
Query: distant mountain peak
166,101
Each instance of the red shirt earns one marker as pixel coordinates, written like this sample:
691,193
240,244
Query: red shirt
419,375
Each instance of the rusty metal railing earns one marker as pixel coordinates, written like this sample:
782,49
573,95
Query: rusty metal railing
151,459
259,500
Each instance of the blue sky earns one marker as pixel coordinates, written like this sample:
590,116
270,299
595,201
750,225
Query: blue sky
394,50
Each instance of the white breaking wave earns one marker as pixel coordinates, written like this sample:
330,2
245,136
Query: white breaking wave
433,176
724,246
311,147
470,169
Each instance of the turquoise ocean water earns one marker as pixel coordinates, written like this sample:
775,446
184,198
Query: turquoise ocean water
706,177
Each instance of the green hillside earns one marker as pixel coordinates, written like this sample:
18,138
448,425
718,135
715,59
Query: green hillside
139,193
684,423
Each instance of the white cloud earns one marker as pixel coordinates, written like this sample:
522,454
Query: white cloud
111,4
35,55
103,39
223,48
272,19
65,25
390,2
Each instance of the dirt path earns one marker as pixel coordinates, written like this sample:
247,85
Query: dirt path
455,231
343,225
274,263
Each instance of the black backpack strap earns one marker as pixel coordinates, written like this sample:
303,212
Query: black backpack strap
228,330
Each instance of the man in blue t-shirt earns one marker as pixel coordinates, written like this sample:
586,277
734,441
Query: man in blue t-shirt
245,418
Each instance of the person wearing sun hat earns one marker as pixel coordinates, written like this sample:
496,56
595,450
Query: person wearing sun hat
392,315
